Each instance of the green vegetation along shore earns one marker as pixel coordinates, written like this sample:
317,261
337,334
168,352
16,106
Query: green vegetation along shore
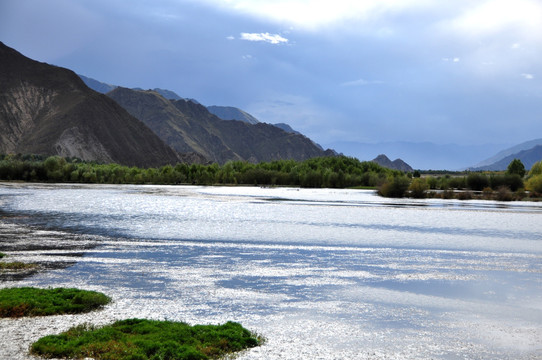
138,339
333,172
27,301
323,172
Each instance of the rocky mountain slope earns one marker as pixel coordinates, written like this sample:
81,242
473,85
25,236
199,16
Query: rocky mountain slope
48,110
396,164
189,127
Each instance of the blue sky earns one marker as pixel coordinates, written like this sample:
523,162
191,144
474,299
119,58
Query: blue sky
457,71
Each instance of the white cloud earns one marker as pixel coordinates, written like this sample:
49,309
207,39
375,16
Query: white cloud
454,59
270,38
230,37
527,76
315,13
491,17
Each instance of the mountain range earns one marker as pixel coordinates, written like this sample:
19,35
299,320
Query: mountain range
190,127
396,164
49,110
528,152
222,112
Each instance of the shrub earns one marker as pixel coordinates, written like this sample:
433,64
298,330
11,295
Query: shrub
504,194
395,188
464,195
147,339
512,181
536,169
458,182
27,301
534,184
418,188
477,181
487,193
2,255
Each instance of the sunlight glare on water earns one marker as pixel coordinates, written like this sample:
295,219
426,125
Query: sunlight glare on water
322,274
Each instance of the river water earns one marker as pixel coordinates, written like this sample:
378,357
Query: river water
320,273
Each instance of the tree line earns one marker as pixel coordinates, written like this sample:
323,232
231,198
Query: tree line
332,172
322,172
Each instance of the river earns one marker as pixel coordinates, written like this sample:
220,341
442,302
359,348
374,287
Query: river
320,273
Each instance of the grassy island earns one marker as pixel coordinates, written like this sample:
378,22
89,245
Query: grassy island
147,339
16,265
27,301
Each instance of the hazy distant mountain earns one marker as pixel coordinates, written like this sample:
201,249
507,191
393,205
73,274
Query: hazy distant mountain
424,155
286,128
396,164
187,126
528,158
232,113
96,85
104,88
507,152
168,94
49,110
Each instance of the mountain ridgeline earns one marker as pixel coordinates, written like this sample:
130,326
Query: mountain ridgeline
396,164
528,153
189,127
48,110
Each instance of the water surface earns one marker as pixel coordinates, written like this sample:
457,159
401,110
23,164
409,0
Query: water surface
322,274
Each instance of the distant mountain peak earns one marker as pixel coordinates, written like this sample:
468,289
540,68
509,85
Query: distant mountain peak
232,113
396,164
499,161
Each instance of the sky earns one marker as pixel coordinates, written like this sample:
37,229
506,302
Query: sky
345,71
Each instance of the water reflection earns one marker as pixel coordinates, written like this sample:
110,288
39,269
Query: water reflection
321,273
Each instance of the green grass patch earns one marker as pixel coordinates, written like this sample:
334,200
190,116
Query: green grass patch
2,255
17,265
27,301
139,339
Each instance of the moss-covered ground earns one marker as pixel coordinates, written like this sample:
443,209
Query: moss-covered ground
147,339
27,301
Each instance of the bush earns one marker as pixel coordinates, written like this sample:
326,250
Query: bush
477,181
458,182
511,181
418,188
395,188
147,339
504,194
536,169
464,195
534,184
27,301
487,193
